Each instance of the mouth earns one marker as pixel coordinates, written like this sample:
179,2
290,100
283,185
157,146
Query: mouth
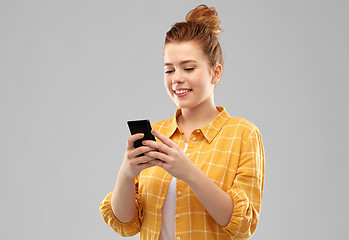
181,91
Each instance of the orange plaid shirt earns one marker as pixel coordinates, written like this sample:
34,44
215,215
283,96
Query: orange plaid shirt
230,151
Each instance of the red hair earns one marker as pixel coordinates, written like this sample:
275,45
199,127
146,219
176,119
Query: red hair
201,25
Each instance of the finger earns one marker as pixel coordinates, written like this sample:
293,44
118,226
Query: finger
131,139
157,145
164,139
141,150
143,159
158,156
158,163
145,165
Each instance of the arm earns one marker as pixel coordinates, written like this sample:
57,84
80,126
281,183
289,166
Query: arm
121,209
123,198
217,202
247,188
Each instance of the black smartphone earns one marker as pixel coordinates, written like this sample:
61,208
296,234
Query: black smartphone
141,126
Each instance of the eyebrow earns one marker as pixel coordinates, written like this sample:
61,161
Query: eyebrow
182,62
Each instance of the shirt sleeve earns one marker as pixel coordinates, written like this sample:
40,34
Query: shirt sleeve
247,189
124,229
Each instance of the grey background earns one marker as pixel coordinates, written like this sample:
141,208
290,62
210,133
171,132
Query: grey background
73,72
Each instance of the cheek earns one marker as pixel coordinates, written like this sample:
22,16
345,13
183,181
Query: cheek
168,84
199,81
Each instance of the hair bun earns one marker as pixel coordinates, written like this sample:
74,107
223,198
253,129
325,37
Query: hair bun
205,15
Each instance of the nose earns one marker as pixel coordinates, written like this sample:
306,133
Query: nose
176,77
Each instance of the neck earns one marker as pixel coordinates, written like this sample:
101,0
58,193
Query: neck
200,115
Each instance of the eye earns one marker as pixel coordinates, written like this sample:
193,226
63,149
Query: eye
189,69
168,71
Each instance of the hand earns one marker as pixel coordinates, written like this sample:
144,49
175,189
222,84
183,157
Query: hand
169,157
133,164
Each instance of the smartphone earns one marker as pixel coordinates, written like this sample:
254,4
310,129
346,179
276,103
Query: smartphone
141,126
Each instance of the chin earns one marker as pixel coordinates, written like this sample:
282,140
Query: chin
184,106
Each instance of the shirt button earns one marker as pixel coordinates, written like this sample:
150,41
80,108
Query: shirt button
179,193
188,154
198,131
194,139
178,238
176,215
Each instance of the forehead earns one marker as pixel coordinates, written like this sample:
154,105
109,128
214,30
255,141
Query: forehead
175,53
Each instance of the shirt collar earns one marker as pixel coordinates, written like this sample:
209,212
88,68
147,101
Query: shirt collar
209,131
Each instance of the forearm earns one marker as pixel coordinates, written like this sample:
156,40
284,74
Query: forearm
217,202
123,199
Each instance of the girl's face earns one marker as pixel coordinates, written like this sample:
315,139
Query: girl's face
189,79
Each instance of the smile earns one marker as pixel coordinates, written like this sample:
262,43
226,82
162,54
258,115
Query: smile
182,91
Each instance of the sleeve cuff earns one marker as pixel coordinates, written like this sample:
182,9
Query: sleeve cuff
124,229
244,220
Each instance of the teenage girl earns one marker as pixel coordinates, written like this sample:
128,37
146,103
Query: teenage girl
203,177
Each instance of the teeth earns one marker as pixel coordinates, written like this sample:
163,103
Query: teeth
181,91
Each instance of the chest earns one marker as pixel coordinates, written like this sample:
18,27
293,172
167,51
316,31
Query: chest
218,159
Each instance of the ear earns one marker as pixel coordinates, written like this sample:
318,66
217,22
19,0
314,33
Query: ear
217,73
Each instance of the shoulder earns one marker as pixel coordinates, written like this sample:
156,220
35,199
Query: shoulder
241,126
163,124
